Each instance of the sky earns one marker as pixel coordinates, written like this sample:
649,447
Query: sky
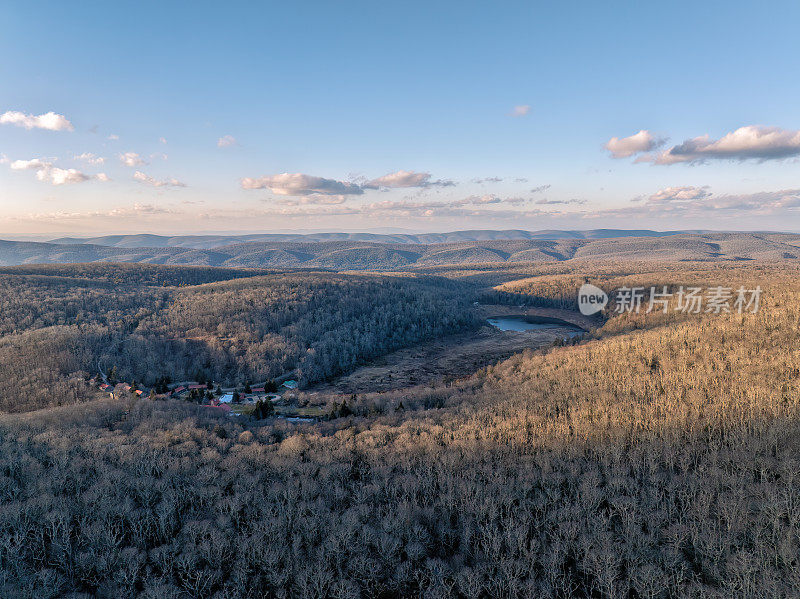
174,117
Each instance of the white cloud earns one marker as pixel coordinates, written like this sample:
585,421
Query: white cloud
90,158
299,184
32,164
623,147
226,141
670,194
541,188
699,202
102,177
696,199
135,211
486,199
390,210
314,199
546,202
62,176
113,137
449,209
751,142
49,121
678,201
764,202
131,159
148,180
163,140
45,171
521,110
405,179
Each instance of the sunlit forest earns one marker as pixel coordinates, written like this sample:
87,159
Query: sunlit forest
655,458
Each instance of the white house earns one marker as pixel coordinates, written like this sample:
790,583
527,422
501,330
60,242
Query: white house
227,398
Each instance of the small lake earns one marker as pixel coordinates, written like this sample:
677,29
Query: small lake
530,323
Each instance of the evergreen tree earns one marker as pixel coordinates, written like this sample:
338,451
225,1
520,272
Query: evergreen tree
264,409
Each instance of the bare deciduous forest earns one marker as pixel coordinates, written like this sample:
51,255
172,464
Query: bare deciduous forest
152,322
655,458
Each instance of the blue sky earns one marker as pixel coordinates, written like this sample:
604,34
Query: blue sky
256,118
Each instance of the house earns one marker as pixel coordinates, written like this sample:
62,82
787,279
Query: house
105,386
180,389
257,389
139,392
290,384
227,398
198,387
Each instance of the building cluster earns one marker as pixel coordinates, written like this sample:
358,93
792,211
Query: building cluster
206,394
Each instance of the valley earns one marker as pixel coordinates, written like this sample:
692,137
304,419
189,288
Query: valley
412,447
447,358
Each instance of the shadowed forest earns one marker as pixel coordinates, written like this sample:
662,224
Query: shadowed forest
658,457
148,323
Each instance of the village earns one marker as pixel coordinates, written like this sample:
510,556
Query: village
262,401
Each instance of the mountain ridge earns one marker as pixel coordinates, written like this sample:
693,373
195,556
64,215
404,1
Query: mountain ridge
214,241
365,255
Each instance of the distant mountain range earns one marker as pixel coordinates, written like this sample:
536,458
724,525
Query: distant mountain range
457,249
207,242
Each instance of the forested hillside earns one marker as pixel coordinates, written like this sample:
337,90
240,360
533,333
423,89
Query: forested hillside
148,322
214,241
658,459
356,253
124,275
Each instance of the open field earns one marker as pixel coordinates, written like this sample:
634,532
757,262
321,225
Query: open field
451,356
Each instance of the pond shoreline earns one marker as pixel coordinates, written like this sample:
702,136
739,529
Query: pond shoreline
569,317
522,323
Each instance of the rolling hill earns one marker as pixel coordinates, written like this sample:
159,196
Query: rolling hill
352,254
205,242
